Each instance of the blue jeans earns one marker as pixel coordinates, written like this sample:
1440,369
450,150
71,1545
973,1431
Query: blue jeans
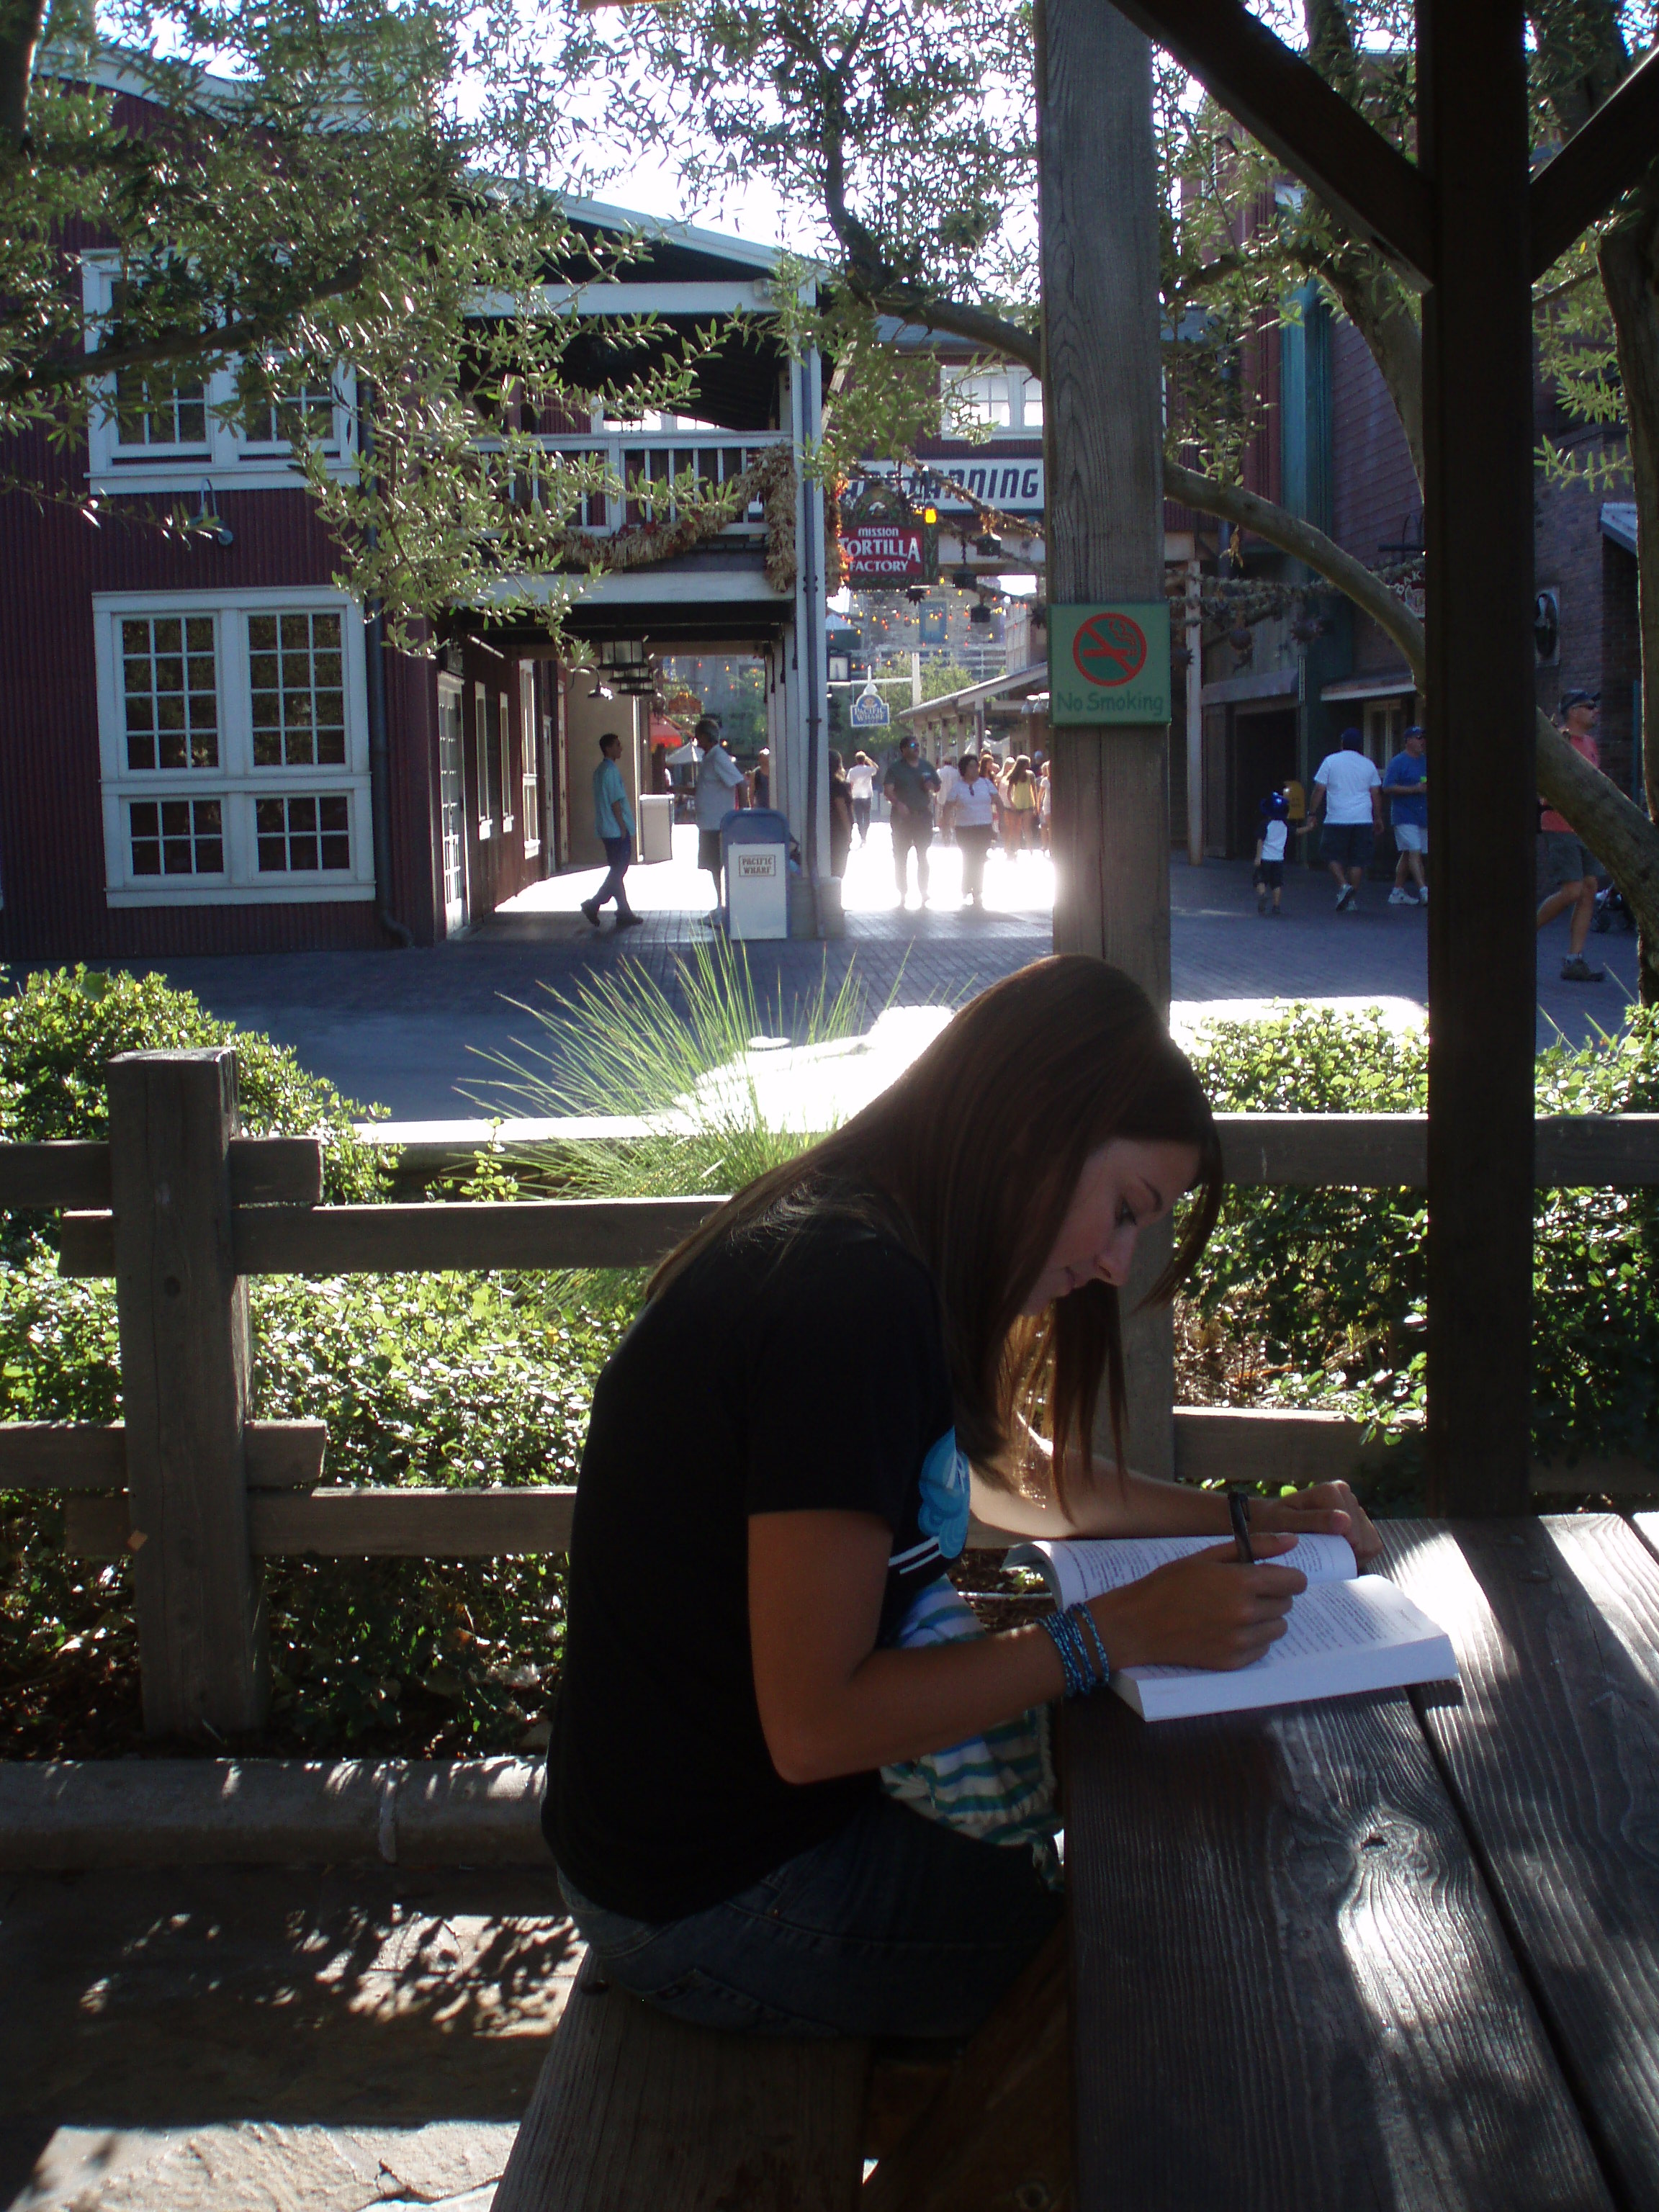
619,851
895,1925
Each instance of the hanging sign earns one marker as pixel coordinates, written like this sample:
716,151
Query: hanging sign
870,711
880,552
1109,663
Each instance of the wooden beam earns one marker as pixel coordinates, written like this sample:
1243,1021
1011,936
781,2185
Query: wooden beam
51,1455
1478,387
186,1356
1599,163
1103,418
263,1171
1284,102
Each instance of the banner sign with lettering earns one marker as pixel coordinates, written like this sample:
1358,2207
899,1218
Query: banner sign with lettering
1109,663
1013,484
880,552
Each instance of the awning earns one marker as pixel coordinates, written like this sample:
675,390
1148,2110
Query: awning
1020,684
665,733
1618,522
1383,683
1255,683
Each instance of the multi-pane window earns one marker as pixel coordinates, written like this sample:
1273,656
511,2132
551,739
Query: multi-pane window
297,690
169,691
233,743
303,416
152,412
176,836
305,833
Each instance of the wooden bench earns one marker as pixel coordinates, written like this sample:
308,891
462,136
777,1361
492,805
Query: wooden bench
635,2112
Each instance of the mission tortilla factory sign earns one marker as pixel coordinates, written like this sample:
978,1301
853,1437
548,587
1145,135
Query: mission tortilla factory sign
886,553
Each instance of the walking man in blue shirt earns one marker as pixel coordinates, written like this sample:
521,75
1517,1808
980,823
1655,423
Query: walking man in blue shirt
1406,784
613,818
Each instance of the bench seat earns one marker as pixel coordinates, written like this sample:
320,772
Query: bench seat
637,2112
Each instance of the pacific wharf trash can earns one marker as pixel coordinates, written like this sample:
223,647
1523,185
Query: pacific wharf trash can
754,854
656,825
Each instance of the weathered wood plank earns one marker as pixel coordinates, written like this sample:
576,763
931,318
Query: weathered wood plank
276,1171
1471,122
1552,1752
635,2112
1313,130
185,1355
74,1173
65,1455
628,1232
1597,165
62,1455
1289,1986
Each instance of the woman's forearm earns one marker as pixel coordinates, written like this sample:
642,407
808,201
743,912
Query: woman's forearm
900,1705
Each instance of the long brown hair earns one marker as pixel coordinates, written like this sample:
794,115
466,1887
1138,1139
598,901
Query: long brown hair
1054,1062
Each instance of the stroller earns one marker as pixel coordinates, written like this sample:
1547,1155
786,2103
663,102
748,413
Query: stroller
1610,907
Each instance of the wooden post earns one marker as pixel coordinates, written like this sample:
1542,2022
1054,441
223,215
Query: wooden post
1097,205
184,1359
1194,634
1471,112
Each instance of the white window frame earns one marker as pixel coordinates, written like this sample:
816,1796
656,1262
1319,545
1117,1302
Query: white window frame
504,743
480,759
529,796
225,460
235,781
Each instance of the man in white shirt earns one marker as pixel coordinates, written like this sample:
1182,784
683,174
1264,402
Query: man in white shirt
1347,793
720,790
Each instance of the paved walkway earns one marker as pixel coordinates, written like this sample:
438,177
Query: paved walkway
404,1029
251,2039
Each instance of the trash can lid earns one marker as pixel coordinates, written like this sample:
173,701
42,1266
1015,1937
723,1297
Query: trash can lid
755,825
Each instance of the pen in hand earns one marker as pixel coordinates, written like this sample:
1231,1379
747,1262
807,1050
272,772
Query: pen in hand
1239,1507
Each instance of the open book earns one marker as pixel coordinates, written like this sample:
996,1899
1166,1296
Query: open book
1346,1632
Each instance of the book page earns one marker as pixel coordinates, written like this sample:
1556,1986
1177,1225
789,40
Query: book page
1341,1637
1337,1616
1080,1568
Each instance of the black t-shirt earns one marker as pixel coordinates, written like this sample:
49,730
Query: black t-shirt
775,1374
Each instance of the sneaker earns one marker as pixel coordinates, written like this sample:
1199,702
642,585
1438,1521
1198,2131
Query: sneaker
1399,898
592,911
1345,898
629,920
1577,970
1423,895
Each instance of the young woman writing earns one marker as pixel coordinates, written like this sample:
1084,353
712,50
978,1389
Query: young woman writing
753,1822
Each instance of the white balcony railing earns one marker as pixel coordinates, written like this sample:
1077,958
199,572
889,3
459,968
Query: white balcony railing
644,465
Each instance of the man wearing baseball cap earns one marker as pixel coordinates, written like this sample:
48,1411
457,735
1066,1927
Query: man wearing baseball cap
1405,785
1570,867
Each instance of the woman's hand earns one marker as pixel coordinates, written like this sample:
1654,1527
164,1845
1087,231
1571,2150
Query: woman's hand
1329,1509
1205,1611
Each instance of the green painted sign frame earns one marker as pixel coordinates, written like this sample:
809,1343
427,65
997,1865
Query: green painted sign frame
1109,664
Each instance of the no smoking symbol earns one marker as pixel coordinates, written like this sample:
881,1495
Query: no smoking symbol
1109,649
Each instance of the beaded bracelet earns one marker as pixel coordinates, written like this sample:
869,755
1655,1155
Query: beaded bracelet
1084,1670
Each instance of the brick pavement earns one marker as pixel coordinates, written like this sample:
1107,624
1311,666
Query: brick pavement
405,1028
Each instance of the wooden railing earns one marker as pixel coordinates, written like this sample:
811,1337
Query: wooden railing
180,1211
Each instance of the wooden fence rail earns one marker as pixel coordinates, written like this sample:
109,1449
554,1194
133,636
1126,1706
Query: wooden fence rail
181,1211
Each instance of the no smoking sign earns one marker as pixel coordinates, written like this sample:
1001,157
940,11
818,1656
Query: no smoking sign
1109,663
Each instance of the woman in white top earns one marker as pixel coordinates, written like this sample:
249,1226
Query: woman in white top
860,781
970,814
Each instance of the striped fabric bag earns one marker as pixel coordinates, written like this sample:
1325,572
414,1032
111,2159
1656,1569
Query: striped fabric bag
1000,1786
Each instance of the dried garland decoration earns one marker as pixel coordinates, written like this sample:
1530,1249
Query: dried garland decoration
770,478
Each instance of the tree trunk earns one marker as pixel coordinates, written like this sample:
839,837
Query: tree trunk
1629,259
20,25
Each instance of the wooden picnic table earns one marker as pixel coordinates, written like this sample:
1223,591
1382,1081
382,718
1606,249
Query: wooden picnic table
1395,1951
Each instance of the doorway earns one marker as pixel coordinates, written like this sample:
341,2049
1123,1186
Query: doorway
1263,752
451,803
